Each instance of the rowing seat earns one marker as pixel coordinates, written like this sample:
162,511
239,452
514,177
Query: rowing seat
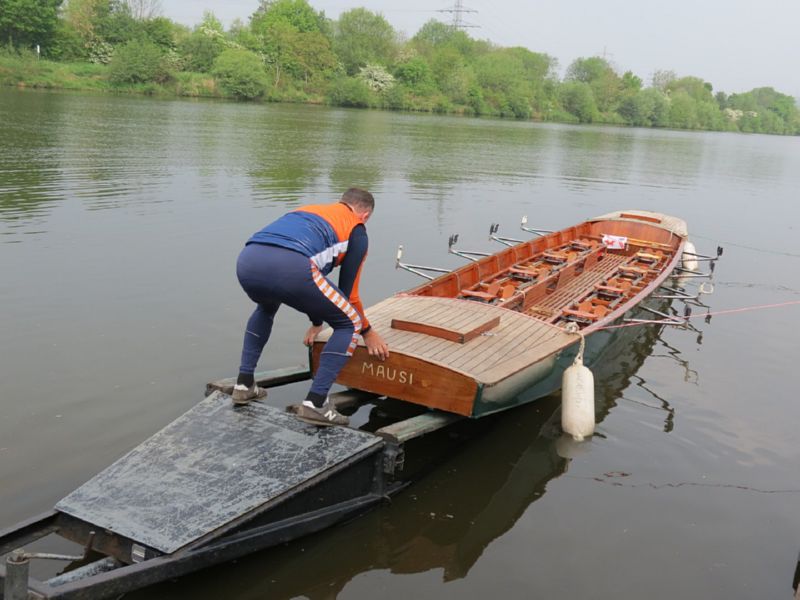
524,274
647,258
554,258
581,245
609,291
490,294
578,315
586,311
631,271
507,291
619,283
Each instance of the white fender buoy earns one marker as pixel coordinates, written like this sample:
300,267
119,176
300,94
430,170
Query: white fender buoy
577,398
689,257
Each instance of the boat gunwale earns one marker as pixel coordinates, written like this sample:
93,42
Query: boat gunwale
630,304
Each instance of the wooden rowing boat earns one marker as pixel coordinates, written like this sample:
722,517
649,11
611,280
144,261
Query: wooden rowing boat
500,331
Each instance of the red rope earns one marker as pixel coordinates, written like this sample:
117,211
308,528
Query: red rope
704,315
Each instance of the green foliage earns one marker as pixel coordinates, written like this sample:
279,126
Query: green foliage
682,111
201,49
361,37
764,110
66,44
347,91
695,87
290,35
210,22
516,105
587,70
452,74
630,82
499,71
397,98
314,57
605,84
577,99
138,61
196,85
298,14
115,24
21,68
476,101
416,74
647,108
240,73
26,23
434,34
291,52
160,31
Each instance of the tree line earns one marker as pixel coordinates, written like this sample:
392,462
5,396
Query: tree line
289,51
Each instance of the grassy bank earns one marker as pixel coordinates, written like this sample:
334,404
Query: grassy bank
26,71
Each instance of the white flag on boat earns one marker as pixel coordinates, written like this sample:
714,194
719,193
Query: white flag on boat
615,242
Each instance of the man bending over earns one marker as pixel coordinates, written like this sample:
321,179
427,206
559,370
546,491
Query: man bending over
287,262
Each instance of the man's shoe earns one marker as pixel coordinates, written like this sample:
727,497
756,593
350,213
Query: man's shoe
325,416
243,395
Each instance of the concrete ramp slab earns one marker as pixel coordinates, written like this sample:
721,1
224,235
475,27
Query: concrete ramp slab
211,466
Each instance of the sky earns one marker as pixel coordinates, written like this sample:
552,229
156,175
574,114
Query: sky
736,45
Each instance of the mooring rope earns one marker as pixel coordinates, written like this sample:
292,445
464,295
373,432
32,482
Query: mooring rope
677,320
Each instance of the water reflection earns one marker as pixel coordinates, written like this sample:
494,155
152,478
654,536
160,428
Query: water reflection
29,169
285,150
444,521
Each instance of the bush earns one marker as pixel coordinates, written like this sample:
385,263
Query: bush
195,85
240,73
396,98
376,77
518,105
349,92
560,116
67,45
138,61
577,98
200,51
442,105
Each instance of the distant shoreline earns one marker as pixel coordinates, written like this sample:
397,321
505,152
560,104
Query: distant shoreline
32,74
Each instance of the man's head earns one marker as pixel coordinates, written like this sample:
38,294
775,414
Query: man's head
361,201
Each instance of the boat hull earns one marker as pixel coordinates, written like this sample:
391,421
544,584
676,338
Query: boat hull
501,331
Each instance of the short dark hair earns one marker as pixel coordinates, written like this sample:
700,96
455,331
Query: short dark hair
359,199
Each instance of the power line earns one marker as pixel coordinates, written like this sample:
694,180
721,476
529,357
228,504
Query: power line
458,10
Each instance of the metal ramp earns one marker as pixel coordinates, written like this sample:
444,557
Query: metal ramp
209,470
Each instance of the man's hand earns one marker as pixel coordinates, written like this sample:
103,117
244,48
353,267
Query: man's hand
375,345
311,334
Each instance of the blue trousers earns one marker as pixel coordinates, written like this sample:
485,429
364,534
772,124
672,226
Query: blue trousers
271,276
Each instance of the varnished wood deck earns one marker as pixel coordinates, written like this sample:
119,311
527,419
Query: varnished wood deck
518,341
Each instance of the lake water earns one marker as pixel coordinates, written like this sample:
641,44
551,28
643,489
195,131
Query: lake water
120,222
